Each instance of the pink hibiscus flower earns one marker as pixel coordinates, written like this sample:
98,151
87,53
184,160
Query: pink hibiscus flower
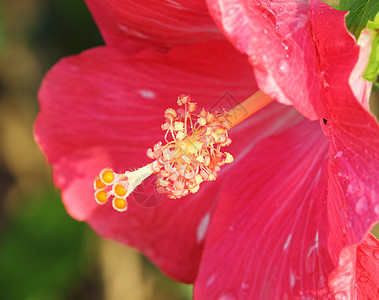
289,218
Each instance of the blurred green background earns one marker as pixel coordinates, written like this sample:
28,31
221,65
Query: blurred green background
44,254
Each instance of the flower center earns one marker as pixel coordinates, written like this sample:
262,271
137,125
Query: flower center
192,152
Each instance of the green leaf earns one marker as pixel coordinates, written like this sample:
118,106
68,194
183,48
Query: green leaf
360,12
372,70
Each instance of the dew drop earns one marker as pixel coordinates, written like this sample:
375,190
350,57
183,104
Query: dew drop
285,45
147,94
231,11
361,207
265,31
244,285
376,209
227,295
309,295
340,296
363,279
283,66
231,228
325,126
267,14
353,187
210,280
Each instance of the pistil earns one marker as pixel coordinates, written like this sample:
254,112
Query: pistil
191,153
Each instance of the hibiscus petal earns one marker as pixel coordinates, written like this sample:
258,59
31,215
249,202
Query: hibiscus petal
353,198
279,40
132,25
102,99
104,109
357,276
353,185
268,236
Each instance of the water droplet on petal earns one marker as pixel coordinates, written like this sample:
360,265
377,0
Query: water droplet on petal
244,285
376,209
231,11
210,280
231,228
265,31
353,187
363,279
309,295
340,296
227,295
361,208
286,46
283,66
325,126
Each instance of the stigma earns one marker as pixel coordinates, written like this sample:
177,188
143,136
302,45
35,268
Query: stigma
190,154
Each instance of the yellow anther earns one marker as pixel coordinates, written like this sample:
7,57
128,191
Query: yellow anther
180,135
192,106
229,158
200,158
195,189
120,204
202,121
107,176
179,126
170,113
101,197
119,190
186,159
162,182
199,179
183,99
99,184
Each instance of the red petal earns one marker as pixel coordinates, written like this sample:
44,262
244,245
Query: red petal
103,109
353,203
172,234
102,101
354,171
353,199
268,237
357,276
131,25
288,57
